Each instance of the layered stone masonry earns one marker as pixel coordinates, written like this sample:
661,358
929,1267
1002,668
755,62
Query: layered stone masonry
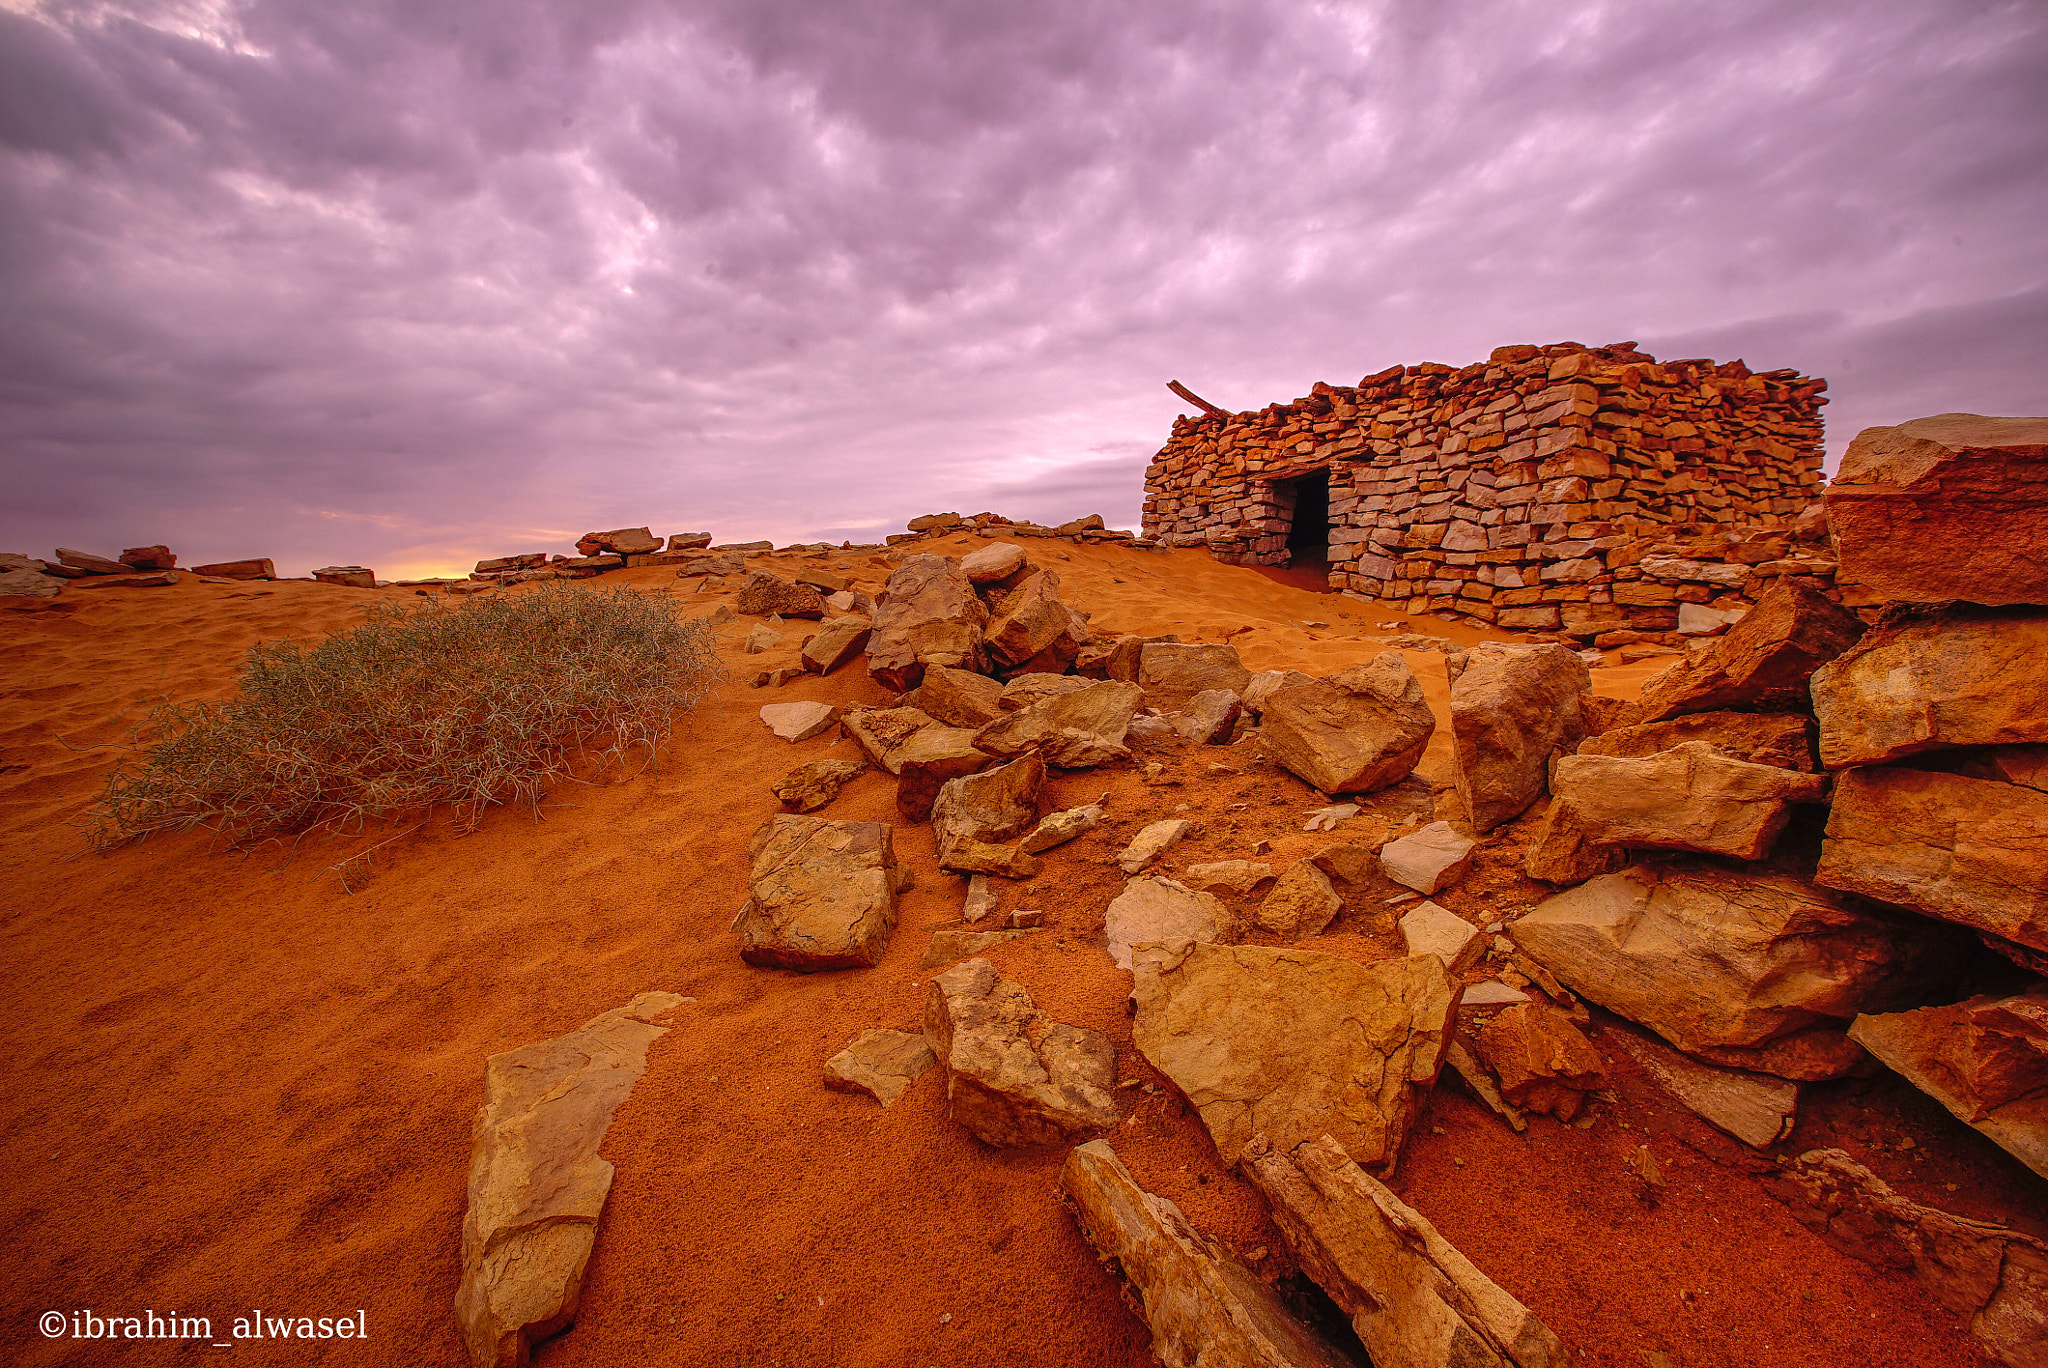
1539,490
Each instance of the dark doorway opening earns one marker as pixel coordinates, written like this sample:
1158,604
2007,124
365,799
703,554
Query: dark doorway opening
1308,529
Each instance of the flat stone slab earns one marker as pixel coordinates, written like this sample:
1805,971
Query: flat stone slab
881,1063
799,721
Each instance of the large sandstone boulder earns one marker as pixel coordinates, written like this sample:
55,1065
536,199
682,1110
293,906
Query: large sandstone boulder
959,698
881,1063
1966,850
1781,739
621,541
536,1182
1076,730
1205,1309
928,615
1513,709
1360,729
1691,797
1030,629
996,561
1748,970
1764,661
1958,677
1949,507
1172,672
1413,1299
1013,1076
1995,1278
823,894
993,805
1293,1044
763,594
1985,1059
1161,909
929,760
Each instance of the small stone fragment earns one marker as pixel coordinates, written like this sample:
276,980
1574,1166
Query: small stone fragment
1429,859
799,721
761,638
951,946
810,787
1428,929
981,899
1152,841
881,1063
1301,903
1239,878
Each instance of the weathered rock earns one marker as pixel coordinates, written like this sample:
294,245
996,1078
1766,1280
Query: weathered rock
1210,717
1026,689
1205,1310
495,565
980,899
1429,929
157,557
995,805
1153,731
1959,677
1492,993
88,562
1032,630
799,721
1764,660
1781,739
536,1182
1171,673
260,569
882,732
1354,872
1013,1076
930,759
1116,659
1994,1277
764,593
1460,1061
1749,970
950,945
1076,730
761,638
1060,827
1264,686
824,581
29,584
959,698
1429,859
1159,909
1698,620
935,522
823,894
1294,1043
1513,709
1153,840
689,541
809,787
1413,1299
1985,1059
1361,729
622,541
1966,850
1755,1108
996,561
349,576
928,615
1691,797
881,1063
836,643
1943,508
1544,1063
1300,904
1239,878
965,855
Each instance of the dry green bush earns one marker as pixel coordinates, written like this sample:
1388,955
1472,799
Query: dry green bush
488,701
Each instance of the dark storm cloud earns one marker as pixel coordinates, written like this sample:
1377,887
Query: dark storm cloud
406,283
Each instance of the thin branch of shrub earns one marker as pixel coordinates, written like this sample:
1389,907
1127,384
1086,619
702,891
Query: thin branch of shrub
471,706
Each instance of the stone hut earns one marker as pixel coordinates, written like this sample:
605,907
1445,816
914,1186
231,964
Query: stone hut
1513,490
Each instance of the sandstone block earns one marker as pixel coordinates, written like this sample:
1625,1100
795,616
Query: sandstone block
996,561
1173,672
927,761
1152,841
883,1064
1429,859
836,643
259,569
1763,661
1543,1062
1015,1077
1781,739
1060,827
1239,878
882,732
799,721
959,698
29,584
1031,629
1428,929
928,615
157,557
763,594
823,894
1691,797
1361,729
623,541
1076,730
1159,909
1755,1108
810,787
993,805
1985,1059
1302,903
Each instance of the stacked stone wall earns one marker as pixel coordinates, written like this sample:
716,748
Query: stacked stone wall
1527,491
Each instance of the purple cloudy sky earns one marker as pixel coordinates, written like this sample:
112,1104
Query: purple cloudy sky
406,282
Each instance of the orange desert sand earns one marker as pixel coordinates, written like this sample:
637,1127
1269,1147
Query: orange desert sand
235,1085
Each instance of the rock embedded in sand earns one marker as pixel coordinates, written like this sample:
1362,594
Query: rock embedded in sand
996,561
1430,929
1429,859
810,787
1301,903
1757,971
536,1182
928,614
1159,909
1781,739
1957,677
951,945
994,805
1294,1043
1058,828
1076,730
799,721
823,894
980,899
1755,1108
1153,840
881,1063
1996,1278
836,643
1173,672
1953,507
1764,661
1360,729
931,758
760,638
763,594
1985,1059
1544,1063
1015,1077
1030,629
29,584
1513,709
1116,659
1413,1299
1966,850
1205,1310
959,698
1236,877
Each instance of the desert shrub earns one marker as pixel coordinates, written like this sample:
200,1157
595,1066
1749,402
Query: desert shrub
488,701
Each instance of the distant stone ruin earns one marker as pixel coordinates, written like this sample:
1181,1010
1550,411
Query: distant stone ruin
1511,491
